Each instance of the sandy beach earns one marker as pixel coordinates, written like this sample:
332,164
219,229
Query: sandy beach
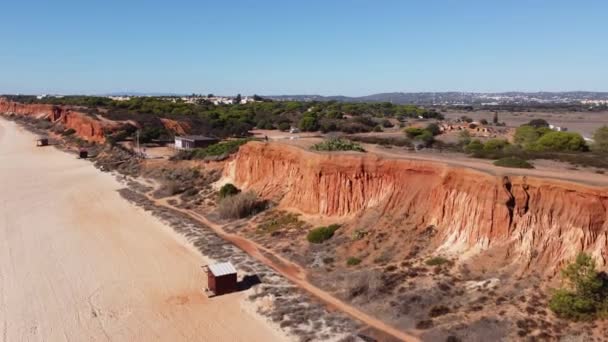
79,263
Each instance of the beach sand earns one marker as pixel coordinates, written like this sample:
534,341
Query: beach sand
79,263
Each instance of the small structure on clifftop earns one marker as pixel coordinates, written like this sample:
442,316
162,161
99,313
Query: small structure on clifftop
193,141
221,278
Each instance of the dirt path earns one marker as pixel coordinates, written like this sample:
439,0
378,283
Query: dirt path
291,271
80,263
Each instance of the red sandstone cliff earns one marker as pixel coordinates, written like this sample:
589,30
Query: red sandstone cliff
86,126
176,127
542,220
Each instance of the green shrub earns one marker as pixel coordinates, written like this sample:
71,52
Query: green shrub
513,162
433,128
353,261
437,261
241,205
387,123
560,141
284,126
68,132
586,294
227,190
378,128
464,138
337,145
494,145
536,123
474,146
285,221
600,139
309,123
527,135
420,134
414,132
322,234
223,148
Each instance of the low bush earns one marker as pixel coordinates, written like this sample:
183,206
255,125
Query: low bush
284,126
227,190
240,205
439,310
433,128
560,141
385,141
585,296
387,123
437,261
353,261
600,139
513,162
494,145
421,134
68,132
281,221
337,145
322,234
414,132
223,148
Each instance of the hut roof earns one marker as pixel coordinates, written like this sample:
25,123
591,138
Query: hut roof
195,138
222,269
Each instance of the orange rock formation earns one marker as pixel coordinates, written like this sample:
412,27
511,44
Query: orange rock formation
541,219
177,127
86,126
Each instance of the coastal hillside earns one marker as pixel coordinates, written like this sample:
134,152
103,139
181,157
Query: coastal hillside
541,222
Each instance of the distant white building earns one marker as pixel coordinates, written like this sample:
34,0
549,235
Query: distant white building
120,98
247,99
558,128
218,100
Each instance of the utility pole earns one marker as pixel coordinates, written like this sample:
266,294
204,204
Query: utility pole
138,150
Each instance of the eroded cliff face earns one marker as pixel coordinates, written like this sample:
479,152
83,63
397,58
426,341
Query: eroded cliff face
539,222
86,126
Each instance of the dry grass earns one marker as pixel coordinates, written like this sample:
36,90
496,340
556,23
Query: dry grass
240,205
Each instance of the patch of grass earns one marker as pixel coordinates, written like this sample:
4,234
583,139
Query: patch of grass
384,141
68,132
283,221
353,261
337,145
513,162
439,310
224,148
359,234
437,261
322,234
241,205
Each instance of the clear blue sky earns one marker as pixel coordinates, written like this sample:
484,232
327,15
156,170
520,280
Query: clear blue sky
350,47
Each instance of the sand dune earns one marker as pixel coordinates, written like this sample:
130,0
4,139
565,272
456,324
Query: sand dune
79,263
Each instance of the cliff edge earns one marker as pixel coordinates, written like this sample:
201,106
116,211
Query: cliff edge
539,221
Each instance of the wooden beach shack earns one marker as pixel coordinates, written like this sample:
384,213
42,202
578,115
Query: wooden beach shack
83,153
221,278
42,142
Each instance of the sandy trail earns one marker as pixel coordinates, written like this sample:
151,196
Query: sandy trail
293,272
79,263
